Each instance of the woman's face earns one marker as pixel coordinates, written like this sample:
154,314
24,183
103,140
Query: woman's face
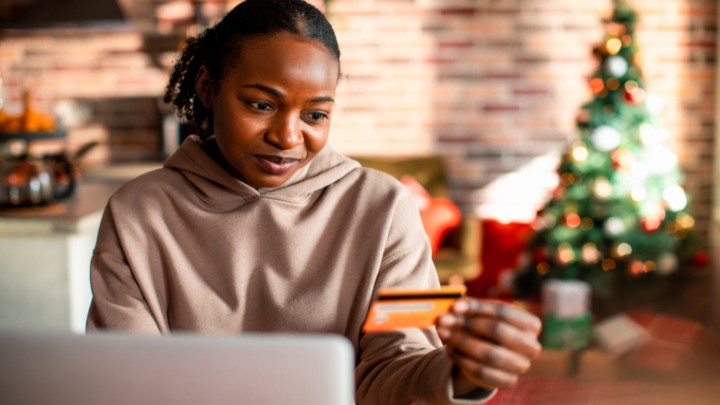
272,107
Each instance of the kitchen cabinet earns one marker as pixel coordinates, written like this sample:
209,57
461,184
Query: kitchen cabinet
45,260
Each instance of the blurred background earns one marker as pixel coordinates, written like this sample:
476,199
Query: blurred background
485,109
492,86
493,90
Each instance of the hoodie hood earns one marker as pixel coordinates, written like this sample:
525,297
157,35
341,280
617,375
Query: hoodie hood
215,185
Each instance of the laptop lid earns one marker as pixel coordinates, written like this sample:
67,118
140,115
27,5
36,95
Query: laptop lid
114,368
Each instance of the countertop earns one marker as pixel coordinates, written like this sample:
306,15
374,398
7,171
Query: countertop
79,213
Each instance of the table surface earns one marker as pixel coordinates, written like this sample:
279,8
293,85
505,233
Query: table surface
88,198
79,213
538,390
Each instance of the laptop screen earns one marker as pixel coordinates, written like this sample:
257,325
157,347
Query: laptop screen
115,368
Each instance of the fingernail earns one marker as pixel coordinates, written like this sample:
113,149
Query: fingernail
443,333
461,306
447,320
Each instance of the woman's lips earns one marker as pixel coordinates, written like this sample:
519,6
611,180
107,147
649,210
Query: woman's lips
276,165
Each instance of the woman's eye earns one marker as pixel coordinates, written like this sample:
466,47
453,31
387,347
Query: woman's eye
260,105
317,116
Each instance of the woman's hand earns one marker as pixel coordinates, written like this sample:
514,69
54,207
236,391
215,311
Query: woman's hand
491,343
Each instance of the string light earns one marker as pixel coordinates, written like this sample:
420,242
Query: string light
606,138
614,226
567,179
633,92
587,224
613,45
685,221
635,268
542,268
597,85
649,266
622,158
651,135
667,263
651,224
653,104
602,188
622,249
590,253
613,84
573,220
638,193
579,152
550,220
626,40
636,96
608,264
675,197
639,170
565,253
660,160
616,66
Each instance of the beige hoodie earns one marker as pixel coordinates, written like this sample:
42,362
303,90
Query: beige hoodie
190,248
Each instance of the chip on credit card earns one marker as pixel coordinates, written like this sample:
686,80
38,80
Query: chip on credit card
410,308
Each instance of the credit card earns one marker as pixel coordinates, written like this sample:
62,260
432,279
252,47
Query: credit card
405,308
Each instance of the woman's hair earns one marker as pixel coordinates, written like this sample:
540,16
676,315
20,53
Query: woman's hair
217,47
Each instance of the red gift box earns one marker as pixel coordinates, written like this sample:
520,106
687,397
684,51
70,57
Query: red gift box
502,247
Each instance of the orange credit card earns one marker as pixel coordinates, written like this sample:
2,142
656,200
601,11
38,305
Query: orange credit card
404,308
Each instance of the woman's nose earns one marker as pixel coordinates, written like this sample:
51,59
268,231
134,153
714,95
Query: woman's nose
284,132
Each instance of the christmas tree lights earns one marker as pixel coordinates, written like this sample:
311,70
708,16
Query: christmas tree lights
619,216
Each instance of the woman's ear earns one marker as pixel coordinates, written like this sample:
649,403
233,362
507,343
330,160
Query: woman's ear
203,87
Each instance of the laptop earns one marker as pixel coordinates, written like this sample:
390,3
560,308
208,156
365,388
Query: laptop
114,368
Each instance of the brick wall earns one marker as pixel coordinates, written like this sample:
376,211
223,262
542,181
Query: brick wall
92,77
493,86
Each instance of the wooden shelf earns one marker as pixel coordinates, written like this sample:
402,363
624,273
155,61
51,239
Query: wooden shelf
32,136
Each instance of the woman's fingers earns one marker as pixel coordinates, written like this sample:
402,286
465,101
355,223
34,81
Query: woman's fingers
483,375
488,354
504,334
491,342
453,328
499,310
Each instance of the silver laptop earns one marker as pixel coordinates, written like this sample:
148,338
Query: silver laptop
112,368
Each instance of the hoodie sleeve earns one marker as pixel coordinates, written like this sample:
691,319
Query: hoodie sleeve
117,302
409,366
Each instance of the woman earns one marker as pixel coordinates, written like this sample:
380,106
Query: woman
255,225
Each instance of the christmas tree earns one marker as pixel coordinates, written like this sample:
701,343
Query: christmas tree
619,217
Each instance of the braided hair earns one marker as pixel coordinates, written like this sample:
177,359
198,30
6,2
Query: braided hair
218,46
